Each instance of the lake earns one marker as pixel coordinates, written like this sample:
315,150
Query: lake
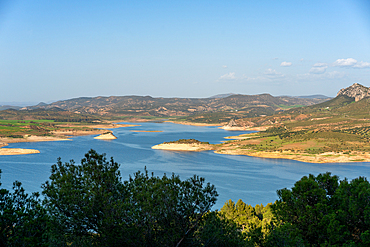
254,180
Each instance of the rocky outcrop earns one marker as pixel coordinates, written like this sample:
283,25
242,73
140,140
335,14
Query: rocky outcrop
238,125
356,91
232,123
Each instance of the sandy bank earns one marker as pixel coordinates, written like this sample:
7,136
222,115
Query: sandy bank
329,157
106,136
183,147
5,141
237,128
233,128
17,151
100,126
111,126
193,124
146,131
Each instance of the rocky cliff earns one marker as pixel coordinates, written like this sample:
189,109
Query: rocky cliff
356,91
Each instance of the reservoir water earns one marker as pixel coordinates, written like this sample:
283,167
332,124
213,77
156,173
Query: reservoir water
254,180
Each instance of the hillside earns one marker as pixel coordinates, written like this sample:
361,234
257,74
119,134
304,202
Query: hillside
337,130
54,113
233,105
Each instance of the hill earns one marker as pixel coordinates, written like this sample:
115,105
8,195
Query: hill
219,107
337,130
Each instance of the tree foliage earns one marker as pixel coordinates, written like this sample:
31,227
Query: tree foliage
320,210
255,222
90,205
23,220
167,211
85,201
219,231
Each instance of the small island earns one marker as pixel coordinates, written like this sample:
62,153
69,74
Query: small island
106,136
185,145
17,151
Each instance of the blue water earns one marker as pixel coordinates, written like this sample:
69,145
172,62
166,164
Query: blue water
254,180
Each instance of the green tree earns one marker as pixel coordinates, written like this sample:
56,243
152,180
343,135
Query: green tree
255,222
91,206
307,207
219,231
86,202
350,219
23,220
167,211
283,235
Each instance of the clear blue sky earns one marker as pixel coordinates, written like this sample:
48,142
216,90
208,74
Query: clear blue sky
53,50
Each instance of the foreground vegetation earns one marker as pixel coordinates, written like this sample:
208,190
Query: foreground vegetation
88,204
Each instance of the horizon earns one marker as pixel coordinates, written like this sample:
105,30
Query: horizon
24,104
52,51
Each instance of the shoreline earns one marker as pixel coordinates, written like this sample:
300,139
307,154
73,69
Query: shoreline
191,147
146,131
17,151
192,124
328,157
60,135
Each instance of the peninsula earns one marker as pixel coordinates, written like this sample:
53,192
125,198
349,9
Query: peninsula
334,131
15,131
245,147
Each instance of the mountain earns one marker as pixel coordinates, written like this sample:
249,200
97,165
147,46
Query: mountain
348,99
356,91
5,107
262,104
351,107
316,96
222,95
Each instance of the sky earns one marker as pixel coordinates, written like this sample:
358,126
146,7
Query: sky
56,50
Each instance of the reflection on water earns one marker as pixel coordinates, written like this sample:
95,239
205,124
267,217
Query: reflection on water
254,180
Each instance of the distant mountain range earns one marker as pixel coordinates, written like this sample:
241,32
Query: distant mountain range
316,96
221,95
217,109
5,107
163,107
